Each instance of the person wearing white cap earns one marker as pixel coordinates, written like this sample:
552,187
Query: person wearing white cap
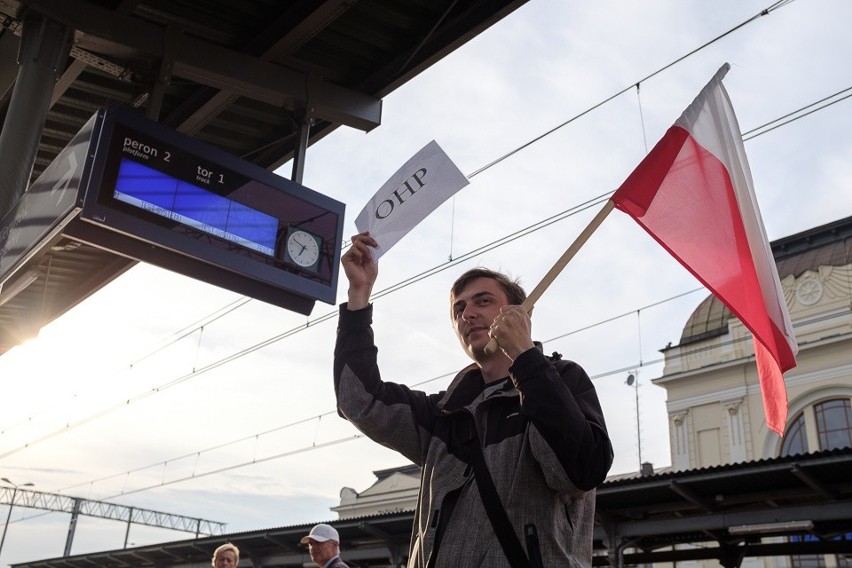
324,546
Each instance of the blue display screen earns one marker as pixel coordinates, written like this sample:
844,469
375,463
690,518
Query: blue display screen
193,206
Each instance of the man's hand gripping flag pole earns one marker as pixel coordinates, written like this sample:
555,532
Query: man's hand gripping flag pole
563,261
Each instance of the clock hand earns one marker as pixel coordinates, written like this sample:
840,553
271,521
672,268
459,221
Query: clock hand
304,246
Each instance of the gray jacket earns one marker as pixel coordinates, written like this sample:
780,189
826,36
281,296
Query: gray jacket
542,434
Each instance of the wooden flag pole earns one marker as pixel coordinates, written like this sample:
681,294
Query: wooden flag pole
563,261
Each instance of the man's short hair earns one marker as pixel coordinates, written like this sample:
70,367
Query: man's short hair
514,293
223,548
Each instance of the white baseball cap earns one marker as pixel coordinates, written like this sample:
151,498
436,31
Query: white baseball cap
321,533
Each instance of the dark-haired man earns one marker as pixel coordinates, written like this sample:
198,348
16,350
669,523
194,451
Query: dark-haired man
535,423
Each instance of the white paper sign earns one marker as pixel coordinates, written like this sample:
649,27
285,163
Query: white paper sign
425,181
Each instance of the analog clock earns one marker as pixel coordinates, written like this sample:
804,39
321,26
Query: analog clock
303,248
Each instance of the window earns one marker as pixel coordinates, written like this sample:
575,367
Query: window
833,421
834,424
807,561
795,440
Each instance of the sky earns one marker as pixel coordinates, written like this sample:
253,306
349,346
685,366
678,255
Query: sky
128,399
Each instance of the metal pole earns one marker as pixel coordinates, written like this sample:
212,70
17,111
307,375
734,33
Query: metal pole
129,522
305,120
638,431
633,381
45,45
8,517
75,512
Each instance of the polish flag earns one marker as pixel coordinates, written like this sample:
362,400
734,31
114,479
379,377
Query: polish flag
693,194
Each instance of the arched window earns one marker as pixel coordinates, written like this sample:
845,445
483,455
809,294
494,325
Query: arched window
831,425
834,424
795,440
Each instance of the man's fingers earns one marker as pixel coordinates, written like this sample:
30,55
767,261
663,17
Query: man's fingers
364,238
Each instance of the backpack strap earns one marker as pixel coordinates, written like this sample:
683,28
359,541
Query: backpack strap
506,535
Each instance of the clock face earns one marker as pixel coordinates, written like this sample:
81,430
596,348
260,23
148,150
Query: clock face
303,248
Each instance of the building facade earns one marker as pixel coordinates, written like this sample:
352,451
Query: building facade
714,400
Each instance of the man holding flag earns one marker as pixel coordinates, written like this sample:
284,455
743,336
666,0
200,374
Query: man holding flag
511,452
520,440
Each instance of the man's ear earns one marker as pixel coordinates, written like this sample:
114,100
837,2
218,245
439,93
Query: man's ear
531,311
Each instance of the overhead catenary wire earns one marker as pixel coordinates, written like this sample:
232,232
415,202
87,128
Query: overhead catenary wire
811,108
612,97
199,452
196,372
390,289
640,364
425,273
317,446
747,135
764,12
765,128
166,342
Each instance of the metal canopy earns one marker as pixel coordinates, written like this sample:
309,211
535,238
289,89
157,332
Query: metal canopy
725,513
725,510
261,79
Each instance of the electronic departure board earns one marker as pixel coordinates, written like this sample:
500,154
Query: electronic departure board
159,196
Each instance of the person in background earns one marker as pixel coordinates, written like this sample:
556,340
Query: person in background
324,546
226,556
527,426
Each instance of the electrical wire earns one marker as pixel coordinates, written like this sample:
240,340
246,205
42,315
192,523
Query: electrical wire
614,96
393,288
438,268
781,3
764,12
166,342
199,452
196,372
621,370
797,114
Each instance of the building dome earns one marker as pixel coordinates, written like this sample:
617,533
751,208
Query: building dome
828,245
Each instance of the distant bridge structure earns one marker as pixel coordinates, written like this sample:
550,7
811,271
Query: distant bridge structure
77,506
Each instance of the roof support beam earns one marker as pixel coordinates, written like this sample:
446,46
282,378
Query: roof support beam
813,483
44,48
300,29
78,66
105,31
754,550
691,496
721,521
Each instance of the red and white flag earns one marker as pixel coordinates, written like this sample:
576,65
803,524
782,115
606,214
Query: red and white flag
693,194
